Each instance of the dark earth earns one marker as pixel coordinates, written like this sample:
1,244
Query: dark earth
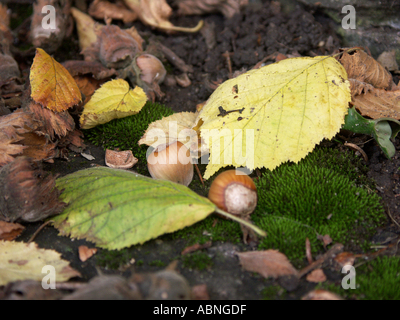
262,29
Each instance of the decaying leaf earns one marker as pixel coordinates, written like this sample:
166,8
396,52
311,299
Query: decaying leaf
9,231
362,67
316,275
92,68
104,9
50,38
268,263
86,27
378,103
156,13
100,207
20,261
9,71
274,114
27,192
114,48
227,7
85,252
114,99
12,128
51,84
52,124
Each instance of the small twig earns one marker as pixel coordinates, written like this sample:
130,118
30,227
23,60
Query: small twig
38,230
308,251
357,148
227,55
174,59
331,253
391,218
198,172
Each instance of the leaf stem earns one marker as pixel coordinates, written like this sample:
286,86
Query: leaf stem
237,219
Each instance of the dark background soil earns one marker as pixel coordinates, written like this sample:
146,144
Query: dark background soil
259,31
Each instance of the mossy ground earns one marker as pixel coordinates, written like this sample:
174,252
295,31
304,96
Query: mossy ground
378,279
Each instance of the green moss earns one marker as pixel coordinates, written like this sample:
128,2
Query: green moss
113,259
325,193
272,292
375,280
125,133
197,260
157,263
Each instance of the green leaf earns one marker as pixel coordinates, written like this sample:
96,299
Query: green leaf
382,129
118,208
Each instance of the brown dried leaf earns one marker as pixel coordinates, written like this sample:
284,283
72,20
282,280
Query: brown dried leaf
9,68
316,275
114,48
12,128
379,103
85,252
227,7
82,67
27,192
195,247
362,67
359,87
59,123
268,263
156,13
345,258
38,147
104,9
9,231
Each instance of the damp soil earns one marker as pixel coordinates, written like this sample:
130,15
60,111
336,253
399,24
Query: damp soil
243,41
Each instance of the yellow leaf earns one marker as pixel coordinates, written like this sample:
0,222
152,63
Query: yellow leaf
274,114
112,100
21,261
86,27
51,84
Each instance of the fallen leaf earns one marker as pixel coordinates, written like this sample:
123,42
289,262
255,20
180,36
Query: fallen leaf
27,192
100,204
113,48
156,13
195,247
362,67
227,7
118,11
86,27
316,275
276,113
52,123
20,261
91,68
326,239
38,147
85,252
345,258
268,263
9,231
51,84
378,103
359,87
12,128
320,294
114,99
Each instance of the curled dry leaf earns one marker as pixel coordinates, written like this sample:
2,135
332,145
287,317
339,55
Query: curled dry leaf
378,103
118,11
345,258
359,87
362,67
9,71
27,192
51,84
156,13
9,231
227,7
316,275
120,159
85,252
183,80
86,27
50,39
114,48
268,263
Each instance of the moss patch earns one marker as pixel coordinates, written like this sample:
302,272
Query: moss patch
375,280
197,260
124,133
325,193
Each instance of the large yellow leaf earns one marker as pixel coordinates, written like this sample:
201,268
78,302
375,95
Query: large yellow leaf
22,261
51,84
112,100
274,114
